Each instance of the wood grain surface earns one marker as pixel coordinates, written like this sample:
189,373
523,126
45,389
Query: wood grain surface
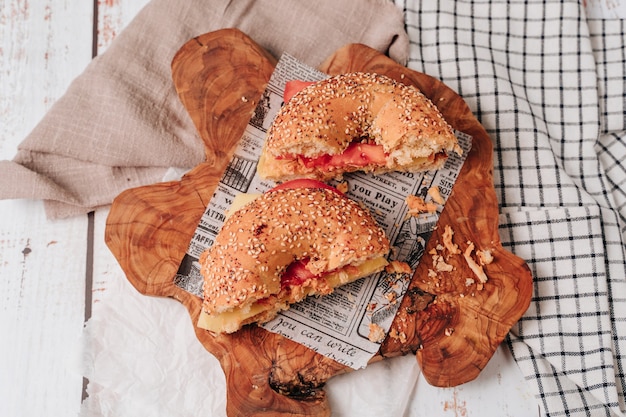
455,336
220,77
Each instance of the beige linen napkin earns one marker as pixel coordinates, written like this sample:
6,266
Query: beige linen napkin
120,124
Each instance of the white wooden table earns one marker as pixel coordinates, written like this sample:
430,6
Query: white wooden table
53,272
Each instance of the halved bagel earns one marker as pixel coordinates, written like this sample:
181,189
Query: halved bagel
355,121
299,239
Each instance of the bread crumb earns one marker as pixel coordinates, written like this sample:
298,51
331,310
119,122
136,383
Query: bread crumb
448,331
485,257
392,297
376,334
395,334
476,269
440,264
452,247
417,205
434,193
398,267
244,99
343,187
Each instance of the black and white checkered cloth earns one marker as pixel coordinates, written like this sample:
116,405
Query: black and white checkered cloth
549,85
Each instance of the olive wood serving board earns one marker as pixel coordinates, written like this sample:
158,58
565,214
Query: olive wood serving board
452,327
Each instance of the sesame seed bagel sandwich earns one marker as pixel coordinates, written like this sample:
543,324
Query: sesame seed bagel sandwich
354,122
301,238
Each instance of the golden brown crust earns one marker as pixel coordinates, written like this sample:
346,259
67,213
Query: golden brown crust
258,242
325,117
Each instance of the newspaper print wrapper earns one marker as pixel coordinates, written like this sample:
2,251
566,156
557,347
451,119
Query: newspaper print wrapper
337,325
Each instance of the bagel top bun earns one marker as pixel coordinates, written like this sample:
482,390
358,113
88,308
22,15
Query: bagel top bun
355,121
329,239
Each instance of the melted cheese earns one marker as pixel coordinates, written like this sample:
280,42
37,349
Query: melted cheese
239,201
231,320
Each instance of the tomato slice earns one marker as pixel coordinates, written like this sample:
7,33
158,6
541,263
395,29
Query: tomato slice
294,86
356,155
304,183
296,274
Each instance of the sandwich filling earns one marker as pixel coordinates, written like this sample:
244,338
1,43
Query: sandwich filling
296,283
354,122
358,155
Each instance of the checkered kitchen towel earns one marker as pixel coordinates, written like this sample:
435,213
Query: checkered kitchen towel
549,86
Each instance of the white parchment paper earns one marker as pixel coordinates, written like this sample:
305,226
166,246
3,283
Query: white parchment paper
142,358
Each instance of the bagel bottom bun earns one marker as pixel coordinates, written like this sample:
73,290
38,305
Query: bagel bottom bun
283,246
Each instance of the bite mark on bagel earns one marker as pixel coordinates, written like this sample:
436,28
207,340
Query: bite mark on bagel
282,247
356,121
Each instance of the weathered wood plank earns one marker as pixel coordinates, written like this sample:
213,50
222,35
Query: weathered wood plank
41,53
112,17
42,263
41,314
